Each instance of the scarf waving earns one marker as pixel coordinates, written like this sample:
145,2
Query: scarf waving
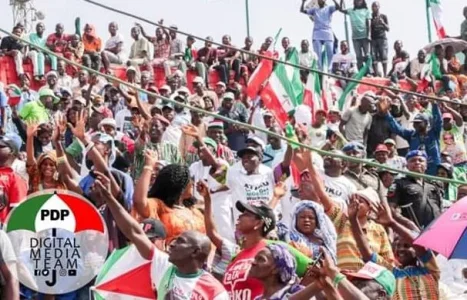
324,231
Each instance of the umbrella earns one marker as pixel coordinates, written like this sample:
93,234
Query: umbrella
458,45
125,275
447,234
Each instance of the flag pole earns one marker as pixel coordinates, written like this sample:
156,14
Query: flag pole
428,19
247,12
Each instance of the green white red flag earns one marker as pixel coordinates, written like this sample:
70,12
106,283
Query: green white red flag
437,13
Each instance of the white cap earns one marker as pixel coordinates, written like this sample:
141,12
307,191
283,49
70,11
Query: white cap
198,79
229,95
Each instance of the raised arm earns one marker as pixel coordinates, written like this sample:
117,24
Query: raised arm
140,199
31,132
125,222
209,223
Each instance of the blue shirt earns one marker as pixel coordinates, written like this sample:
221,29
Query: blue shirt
428,143
124,180
322,17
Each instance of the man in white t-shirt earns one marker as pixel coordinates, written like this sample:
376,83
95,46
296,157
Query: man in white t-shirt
212,170
253,182
344,63
336,184
356,121
113,52
178,274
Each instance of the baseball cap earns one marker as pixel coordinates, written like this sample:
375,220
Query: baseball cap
207,141
447,116
80,100
250,149
165,87
198,79
420,118
220,83
381,148
262,210
390,141
131,68
216,124
65,90
108,122
229,95
12,141
448,167
168,105
154,229
256,140
353,146
414,153
51,73
183,89
380,274
48,93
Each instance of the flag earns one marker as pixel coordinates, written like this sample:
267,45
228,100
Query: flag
284,90
437,13
430,70
259,76
326,84
352,85
312,93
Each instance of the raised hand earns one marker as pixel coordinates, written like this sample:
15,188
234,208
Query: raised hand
280,189
384,215
202,188
150,157
190,130
352,210
32,128
301,158
79,130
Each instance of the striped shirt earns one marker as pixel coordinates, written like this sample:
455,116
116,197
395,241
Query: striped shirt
348,255
418,282
166,151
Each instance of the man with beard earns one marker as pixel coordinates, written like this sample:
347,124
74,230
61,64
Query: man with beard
420,200
40,110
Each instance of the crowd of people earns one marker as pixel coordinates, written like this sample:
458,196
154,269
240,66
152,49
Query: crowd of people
230,212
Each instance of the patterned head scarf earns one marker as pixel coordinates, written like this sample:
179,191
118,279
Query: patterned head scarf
324,231
284,261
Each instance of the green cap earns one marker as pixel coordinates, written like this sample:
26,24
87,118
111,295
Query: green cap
380,274
48,92
208,142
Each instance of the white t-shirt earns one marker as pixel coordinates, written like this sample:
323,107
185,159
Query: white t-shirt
250,188
344,61
338,188
401,143
123,119
113,41
318,136
166,280
221,201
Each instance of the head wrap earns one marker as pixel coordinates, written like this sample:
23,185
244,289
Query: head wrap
324,231
284,261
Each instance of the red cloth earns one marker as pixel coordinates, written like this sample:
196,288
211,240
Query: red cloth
14,190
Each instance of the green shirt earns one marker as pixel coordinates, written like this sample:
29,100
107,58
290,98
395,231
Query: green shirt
35,111
358,20
167,152
37,40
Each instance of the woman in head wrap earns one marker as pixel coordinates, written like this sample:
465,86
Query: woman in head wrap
309,230
43,171
275,267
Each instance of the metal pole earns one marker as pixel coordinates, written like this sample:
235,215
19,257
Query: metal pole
346,25
247,11
428,19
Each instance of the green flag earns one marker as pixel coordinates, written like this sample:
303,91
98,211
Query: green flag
352,85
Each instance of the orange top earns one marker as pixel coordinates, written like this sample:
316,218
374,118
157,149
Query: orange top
91,41
176,220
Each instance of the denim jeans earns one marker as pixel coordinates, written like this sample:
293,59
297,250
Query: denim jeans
362,49
328,47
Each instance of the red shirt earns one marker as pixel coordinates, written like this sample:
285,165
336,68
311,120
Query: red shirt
236,280
13,189
59,42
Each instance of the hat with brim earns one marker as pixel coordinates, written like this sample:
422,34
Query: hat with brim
390,142
48,93
380,274
154,229
256,140
370,196
262,210
420,118
12,141
165,88
250,150
207,141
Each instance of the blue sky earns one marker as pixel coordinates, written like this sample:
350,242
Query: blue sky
407,18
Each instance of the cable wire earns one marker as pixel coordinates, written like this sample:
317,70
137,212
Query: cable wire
228,120
394,89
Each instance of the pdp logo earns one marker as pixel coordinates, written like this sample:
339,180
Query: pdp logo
60,240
